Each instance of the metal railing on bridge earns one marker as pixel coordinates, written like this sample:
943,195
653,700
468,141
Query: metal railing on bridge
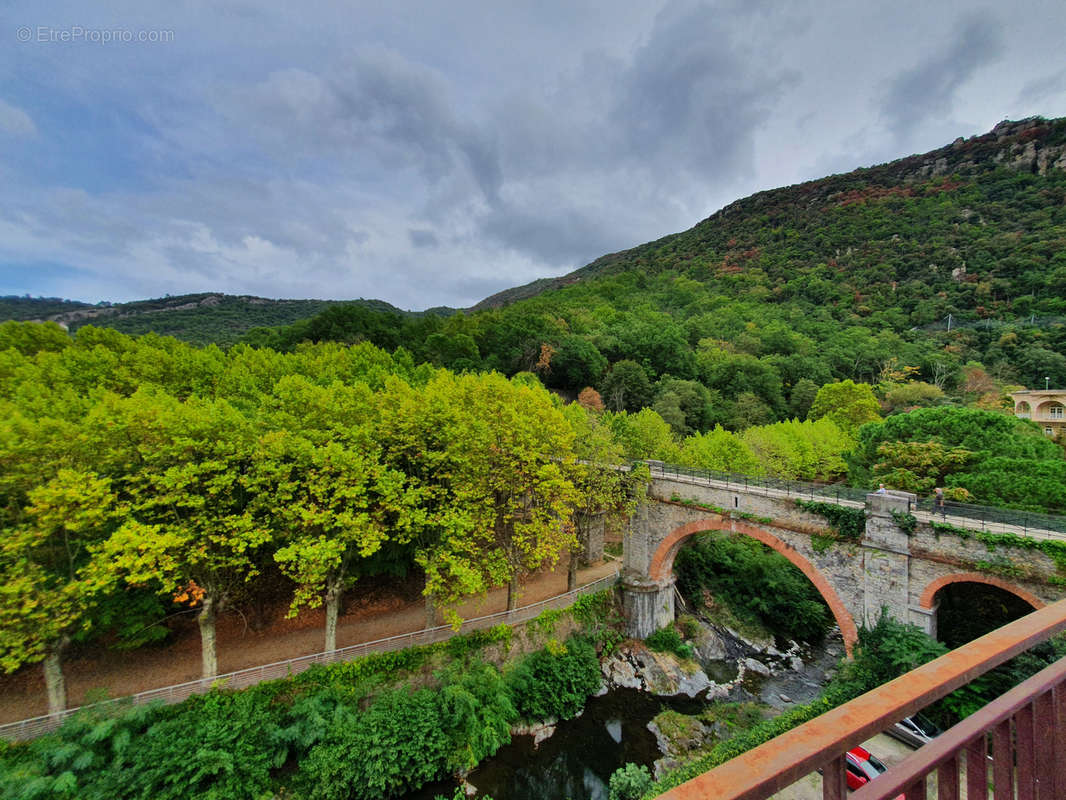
829,492
1026,728
991,517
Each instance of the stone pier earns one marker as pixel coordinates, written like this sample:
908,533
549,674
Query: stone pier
648,605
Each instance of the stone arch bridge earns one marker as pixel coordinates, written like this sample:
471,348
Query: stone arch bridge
886,569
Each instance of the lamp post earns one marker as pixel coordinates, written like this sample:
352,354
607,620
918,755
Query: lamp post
1046,382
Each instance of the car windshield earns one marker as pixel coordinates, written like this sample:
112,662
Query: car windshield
870,770
873,762
924,725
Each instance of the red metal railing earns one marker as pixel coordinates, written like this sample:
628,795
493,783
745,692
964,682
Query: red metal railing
1027,728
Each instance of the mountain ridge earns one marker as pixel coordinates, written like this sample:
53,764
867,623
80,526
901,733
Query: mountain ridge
1033,144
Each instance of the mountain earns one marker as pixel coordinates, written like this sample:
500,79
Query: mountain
947,268
1033,146
198,318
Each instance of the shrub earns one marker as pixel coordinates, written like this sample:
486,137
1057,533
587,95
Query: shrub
668,640
629,782
546,684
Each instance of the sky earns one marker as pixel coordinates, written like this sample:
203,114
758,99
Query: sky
433,153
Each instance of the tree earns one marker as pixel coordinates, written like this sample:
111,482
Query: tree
604,490
590,399
912,394
720,450
995,457
46,590
850,405
575,362
626,387
493,462
191,530
918,466
333,504
642,435
804,450
691,398
518,476
802,397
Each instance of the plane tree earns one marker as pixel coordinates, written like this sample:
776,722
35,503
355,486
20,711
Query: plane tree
191,531
46,586
332,504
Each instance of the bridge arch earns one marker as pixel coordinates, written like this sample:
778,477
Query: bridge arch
662,564
926,600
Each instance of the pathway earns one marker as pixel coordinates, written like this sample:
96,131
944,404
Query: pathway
125,673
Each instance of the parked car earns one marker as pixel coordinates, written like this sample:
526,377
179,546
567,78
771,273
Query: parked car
915,730
862,767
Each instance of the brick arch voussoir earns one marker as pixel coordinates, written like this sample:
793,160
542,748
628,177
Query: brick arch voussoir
662,564
937,584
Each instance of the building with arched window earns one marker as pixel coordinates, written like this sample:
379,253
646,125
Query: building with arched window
1047,408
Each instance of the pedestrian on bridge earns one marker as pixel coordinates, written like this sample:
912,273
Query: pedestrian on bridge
938,501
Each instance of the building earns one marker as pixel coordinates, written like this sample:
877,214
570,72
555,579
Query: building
1045,407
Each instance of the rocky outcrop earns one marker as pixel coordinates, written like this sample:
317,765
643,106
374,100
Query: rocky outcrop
664,674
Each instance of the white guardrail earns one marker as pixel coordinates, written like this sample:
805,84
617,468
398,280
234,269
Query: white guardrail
243,678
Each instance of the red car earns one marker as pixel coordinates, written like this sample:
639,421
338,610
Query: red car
862,767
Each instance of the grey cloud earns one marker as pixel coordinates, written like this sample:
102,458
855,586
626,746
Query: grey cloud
658,129
422,238
1043,89
927,90
559,235
693,96
379,109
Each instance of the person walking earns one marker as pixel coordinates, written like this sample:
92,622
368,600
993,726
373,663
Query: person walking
938,501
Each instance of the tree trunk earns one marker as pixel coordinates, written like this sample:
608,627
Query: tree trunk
431,611
334,590
206,621
55,683
512,593
431,605
576,555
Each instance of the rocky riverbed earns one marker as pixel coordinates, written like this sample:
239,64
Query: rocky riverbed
739,679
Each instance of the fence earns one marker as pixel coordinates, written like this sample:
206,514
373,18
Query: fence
241,679
991,517
831,492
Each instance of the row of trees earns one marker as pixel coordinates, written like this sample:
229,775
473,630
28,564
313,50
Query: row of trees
146,468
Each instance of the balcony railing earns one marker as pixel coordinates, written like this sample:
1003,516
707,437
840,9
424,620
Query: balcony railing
1027,728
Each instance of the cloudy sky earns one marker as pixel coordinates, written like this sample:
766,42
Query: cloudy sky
436,152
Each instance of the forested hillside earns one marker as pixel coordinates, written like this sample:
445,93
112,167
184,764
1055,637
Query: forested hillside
207,318
856,276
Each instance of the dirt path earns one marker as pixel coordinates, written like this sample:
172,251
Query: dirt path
377,616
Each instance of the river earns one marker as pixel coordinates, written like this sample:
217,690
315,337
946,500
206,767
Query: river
577,761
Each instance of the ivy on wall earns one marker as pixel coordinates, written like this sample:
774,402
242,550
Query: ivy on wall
1052,548
848,523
